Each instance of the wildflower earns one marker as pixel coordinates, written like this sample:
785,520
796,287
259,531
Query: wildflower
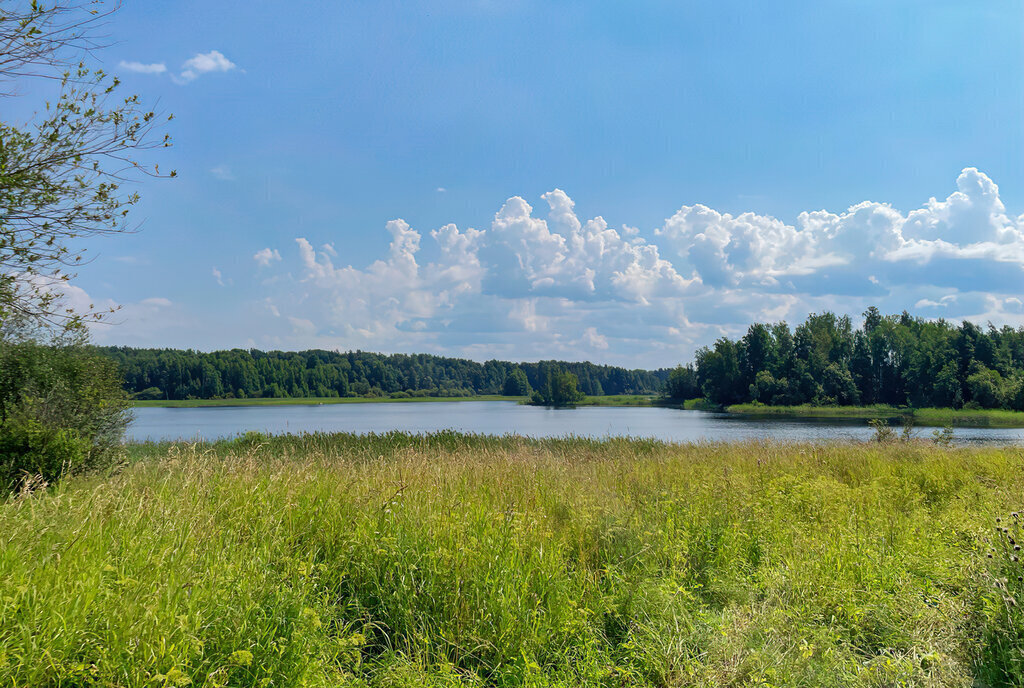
241,658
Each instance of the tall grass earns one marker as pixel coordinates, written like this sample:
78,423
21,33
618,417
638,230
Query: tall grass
449,559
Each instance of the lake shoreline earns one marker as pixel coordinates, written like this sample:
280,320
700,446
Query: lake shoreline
930,417
610,400
306,401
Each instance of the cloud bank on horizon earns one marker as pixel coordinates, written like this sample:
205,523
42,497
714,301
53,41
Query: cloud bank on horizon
530,286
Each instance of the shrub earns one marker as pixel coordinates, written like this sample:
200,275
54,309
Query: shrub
883,432
29,447
62,410
153,393
943,437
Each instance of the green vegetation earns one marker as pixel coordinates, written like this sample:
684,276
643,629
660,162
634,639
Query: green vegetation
170,374
809,411
447,559
700,405
61,173
1003,641
620,400
517,384
682,384
925,416
560,388
891,361
309,401
963,416
61,411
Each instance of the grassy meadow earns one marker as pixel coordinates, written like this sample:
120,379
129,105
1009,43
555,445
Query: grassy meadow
460,560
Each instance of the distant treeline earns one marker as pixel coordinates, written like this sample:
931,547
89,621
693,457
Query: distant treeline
241,373
896,359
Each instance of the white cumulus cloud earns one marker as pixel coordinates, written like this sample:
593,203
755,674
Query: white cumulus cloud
142,67
205,63
532,285
265,256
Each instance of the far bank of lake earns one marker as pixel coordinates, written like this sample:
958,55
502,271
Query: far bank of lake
933,417
607,400
307,401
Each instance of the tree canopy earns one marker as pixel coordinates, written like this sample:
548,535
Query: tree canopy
247,373
62,178
560,388
893,359
63,174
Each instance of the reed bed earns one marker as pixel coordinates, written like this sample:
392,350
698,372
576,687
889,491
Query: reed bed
451,560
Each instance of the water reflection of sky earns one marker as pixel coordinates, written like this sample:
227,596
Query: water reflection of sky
498,418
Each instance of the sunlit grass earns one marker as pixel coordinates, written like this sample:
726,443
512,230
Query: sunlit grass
620,400
921,416
448,559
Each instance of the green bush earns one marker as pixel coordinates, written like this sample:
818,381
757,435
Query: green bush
29,447
153,393
62,410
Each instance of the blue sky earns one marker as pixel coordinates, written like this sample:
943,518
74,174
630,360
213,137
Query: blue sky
619,182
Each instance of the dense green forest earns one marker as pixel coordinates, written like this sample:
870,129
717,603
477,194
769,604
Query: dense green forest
897,359
239,373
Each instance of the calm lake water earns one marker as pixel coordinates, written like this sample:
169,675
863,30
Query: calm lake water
502,417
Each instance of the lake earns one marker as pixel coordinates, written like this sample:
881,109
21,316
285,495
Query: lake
503,417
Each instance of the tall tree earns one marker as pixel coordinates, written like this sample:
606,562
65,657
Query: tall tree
62,175
894,359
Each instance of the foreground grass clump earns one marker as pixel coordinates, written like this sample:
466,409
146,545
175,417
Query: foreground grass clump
448,559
